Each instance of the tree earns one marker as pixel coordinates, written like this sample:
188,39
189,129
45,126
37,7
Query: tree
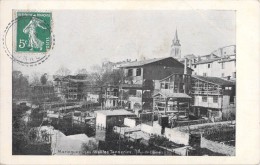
23,134
20,85
63,71
96,75
88,147
35,79
105,75
82,71
44,79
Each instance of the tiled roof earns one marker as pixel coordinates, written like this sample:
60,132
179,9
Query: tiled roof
57,79
78,80
212,54
131,85
207,61
190,56
214,80
173,95
227,60
120,112
172,75
145,62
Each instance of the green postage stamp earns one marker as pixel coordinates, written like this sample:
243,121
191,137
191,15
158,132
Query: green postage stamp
33,31
28,39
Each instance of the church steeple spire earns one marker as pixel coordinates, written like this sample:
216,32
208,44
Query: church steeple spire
176,47
176,40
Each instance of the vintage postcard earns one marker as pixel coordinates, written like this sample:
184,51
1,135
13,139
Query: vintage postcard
130,82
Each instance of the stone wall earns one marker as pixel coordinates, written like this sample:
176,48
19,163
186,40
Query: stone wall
147,128
155,129
217,147
176,136
130,122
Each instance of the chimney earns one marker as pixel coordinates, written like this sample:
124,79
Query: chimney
185,66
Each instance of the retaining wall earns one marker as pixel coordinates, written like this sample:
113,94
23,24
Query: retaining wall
176,136
130,122
155,129
217,147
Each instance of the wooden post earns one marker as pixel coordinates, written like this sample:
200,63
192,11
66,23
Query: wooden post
178,109
188,107
122,93
166,105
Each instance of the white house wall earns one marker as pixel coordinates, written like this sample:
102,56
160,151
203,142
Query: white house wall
101,120
228,50
130,122
198,102
109,103
226,102
215,69
229,68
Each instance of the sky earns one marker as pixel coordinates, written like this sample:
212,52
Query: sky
84,38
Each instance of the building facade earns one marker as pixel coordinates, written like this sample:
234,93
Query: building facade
110,96
220,63
213,98
41,93
142,79
173,96
110,118
77,88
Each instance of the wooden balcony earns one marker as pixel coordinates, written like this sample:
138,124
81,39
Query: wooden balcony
206,93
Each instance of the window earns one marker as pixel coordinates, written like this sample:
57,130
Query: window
234,74
215,99
228,88
195,73
130,72
208,65
204,98
138,72
222,65
195,66
132,92
205,74
232,100
162,85
181,88
175,88
223,75
166,86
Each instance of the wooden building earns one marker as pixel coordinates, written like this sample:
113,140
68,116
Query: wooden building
173,96
110,95
77,88
142,79
70,87
42,93
213,97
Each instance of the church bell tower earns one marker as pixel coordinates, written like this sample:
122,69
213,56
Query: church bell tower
176,47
